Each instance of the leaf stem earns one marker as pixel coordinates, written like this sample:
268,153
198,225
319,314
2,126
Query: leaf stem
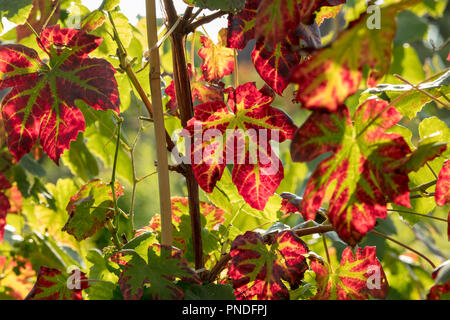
404,246
325,246
423,187
113,175
55,7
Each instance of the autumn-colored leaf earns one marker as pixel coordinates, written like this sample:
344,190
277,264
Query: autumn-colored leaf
365,165
4,204
257,171
275,20
41,103
274,63
241,26
17,276
290,203
327,13
441,288
258,270
217,60
90,209
158,271
358,276
334,73
52,284
442,194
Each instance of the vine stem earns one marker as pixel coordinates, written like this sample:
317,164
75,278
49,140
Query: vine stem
160,131
113,175
424,186
326,251
184,99
418,214
404,246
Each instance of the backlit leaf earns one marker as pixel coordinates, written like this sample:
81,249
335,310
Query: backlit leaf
241,26
40,104
442,194
90,209
257,171
158,271
366,165
217,60
258,270
359,276
332,74
52,284
275,20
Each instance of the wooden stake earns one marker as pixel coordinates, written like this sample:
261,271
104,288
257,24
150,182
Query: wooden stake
160,131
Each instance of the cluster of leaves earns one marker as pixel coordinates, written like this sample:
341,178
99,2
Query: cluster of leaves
64,98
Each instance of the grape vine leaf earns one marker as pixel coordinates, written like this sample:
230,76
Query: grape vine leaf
4,204
327,13
90,209
275,20
158,271
17,276
202,91
442,194
408,100
40,105
357,277
241,26
257,171
441,288
258,271
274,63
334,73
52,284
16,11
368,165
217,59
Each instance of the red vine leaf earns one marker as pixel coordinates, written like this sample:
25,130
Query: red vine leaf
90,209
52,284
217,59
275,20
41,103
309,8
257,171
157,271
258,271
4,204
332,74
441,288
241,26
364,165
357,277
274,63
442,194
